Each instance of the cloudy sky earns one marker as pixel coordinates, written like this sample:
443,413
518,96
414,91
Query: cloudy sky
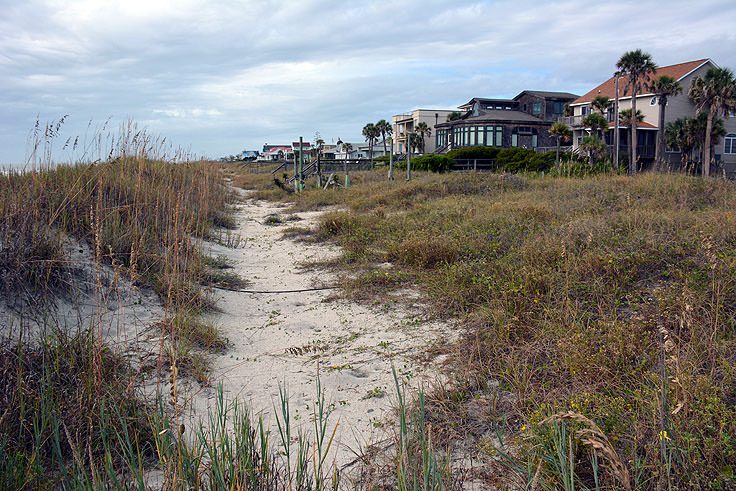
219,77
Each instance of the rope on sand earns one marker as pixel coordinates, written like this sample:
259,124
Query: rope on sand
287,291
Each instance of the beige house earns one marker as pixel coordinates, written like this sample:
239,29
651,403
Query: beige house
404,124
678,106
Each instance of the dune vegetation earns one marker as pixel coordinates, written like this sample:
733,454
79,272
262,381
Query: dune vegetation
598,316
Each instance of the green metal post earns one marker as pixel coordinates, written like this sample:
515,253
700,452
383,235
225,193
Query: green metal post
301,164
319,171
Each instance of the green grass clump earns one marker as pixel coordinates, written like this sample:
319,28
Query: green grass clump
611,297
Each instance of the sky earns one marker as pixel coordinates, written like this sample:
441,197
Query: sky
218,77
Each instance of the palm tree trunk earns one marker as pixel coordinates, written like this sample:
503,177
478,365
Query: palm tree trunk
370,150
615,124
633,131
706,143
383,135
557,157
660,131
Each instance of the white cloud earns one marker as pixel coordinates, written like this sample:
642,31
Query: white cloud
222,75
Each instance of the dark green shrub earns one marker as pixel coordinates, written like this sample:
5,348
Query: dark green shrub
432,162
478,152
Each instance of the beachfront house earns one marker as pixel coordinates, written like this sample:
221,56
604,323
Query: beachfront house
405,124
678,106
523,121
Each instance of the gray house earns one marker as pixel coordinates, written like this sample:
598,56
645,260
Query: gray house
523,121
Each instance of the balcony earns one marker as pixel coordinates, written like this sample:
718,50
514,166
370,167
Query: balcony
577,121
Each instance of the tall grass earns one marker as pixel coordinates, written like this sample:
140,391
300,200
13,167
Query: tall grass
610,297
71,409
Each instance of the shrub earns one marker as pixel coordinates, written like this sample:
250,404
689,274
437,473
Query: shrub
432,162
477,152
524,159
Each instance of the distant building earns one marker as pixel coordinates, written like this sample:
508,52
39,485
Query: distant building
359,151
404,124
277,152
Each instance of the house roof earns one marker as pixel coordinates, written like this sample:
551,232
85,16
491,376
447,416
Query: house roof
497,116
640,125
548,95
608,88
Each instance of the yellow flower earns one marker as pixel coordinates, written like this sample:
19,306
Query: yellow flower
663,435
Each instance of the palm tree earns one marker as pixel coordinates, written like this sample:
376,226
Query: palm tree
679,134
384,128
414,142
716,94
423,130
601,103
454,116
562,132
596,122
347,148
698,126
370,133
638,65
625,117
663,87
593,145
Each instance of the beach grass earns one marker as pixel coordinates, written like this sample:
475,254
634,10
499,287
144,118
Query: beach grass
608,297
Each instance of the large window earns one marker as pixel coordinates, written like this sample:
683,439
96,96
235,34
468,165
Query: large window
537,108
729,143
558,107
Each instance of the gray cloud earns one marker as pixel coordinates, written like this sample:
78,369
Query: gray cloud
228,75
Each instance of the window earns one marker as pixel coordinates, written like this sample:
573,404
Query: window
537,108
558,107
514,140
471,141
499,107
476,107
524,106
584,110
729,143
653,102
534,141
499,136
507,108
524,130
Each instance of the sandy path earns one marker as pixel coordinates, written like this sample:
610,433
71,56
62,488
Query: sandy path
283,338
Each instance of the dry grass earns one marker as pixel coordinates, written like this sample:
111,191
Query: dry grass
610,296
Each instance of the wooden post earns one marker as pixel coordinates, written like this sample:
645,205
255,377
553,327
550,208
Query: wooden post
391,163
408,165
475,165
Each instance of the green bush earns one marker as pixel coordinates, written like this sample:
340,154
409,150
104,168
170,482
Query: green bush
432,162
478,152
524,159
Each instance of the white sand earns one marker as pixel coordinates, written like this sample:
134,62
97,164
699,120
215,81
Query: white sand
287,338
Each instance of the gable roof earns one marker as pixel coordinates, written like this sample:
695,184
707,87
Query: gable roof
608,88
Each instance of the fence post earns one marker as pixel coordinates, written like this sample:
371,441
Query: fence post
391,163
408,165
475,165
